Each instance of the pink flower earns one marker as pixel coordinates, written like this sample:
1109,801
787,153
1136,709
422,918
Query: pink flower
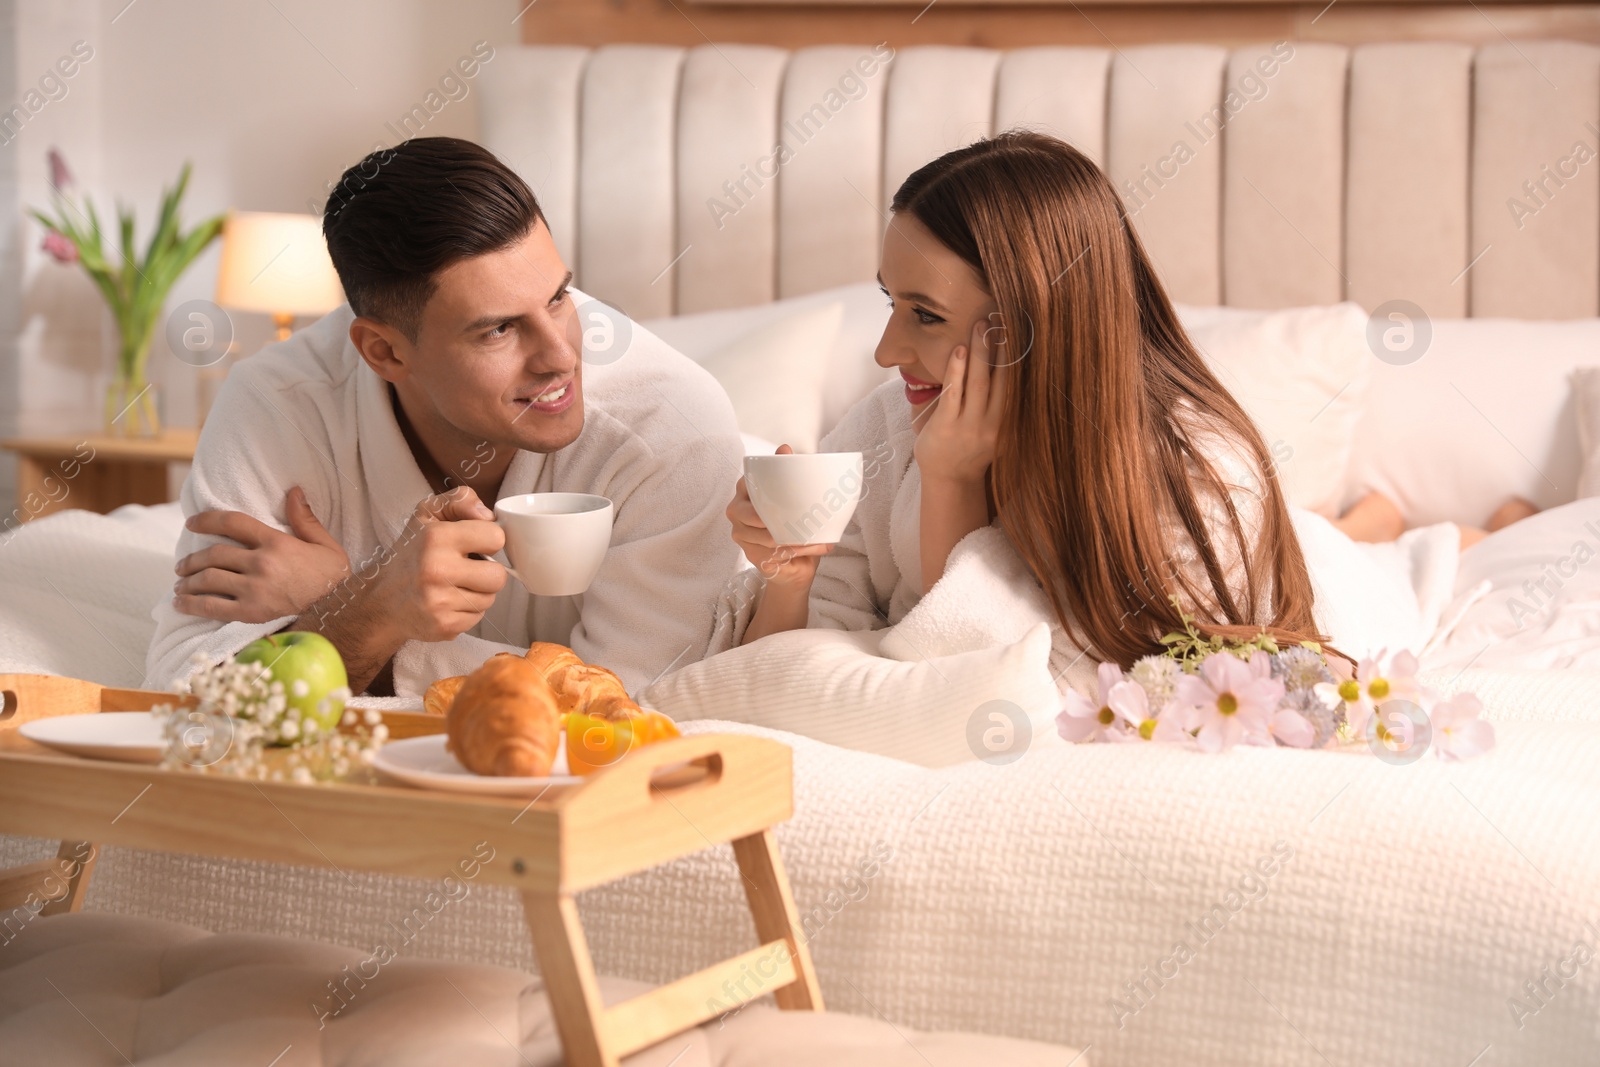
60,176
1146,727
1082,719
1291,728
1228,699
60,248
1376,680
1458,733
1129,700
1282,724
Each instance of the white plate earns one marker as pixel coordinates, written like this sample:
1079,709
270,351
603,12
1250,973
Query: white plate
423,761
129,736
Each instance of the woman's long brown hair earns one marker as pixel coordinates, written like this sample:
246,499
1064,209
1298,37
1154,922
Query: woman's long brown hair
1098,476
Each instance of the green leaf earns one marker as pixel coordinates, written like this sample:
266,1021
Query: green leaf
51,224
130,265
94,224
125,225
176,260
167,224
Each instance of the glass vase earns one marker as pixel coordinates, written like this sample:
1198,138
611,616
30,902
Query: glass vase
132,408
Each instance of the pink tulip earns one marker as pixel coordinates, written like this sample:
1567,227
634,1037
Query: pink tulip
60,249
60,176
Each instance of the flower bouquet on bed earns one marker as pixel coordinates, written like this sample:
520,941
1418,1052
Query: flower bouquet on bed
1212,693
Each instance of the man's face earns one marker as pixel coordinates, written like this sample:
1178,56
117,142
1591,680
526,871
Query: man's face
499,356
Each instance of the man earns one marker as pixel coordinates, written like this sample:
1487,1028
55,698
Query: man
454,376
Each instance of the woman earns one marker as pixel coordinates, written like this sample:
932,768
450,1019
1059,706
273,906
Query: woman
1046,385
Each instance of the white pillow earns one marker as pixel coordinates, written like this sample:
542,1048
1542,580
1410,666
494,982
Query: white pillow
833,686
1301,374
1586,402
851,372
757,446
774,375
1486,413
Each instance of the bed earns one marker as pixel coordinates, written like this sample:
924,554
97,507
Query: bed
1148,906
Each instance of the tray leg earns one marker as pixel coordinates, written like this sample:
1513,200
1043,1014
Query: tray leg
569,979
79,857
45,880
766,886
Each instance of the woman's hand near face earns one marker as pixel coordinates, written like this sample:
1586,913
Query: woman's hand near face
958,437
788,569
955,449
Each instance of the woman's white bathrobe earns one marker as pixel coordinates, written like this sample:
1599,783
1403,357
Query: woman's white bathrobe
659,439
873,577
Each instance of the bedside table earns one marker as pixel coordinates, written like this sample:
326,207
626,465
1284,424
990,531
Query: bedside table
95,471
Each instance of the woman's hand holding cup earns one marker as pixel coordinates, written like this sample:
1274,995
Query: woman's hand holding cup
792,565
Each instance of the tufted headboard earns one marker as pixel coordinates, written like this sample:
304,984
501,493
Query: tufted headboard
1463,179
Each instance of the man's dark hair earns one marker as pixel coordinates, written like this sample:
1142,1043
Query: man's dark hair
405,213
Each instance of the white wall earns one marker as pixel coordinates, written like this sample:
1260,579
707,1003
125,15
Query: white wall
10,261
269,100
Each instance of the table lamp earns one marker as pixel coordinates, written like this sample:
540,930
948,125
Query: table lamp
277,264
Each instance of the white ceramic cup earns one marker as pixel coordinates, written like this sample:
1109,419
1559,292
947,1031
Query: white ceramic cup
555,541
805,499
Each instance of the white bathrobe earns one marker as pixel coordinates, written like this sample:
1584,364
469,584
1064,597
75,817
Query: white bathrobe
659,439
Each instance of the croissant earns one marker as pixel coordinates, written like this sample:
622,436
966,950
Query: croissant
613,707
594,691
552,659
579,686
440,695
505,720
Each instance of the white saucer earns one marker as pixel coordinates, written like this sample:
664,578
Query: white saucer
128,736
423,761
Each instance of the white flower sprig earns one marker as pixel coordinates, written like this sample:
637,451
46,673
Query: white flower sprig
241,710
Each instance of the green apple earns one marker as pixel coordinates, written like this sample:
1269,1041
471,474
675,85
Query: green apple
297,657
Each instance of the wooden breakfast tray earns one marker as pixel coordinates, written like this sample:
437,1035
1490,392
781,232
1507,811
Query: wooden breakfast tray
623,819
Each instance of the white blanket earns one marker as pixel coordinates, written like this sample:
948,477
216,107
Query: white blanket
987,597
1541,605
76,591
1371,597
658,438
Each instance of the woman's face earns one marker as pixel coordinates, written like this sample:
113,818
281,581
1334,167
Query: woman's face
937,298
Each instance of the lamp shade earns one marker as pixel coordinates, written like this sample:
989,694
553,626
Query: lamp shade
276,264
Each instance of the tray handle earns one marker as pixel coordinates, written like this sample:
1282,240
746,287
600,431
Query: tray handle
25,697
667,771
